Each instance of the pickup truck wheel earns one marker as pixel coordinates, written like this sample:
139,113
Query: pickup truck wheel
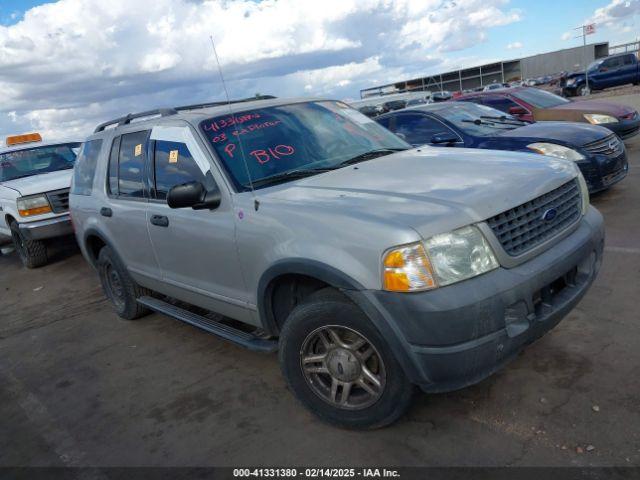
119,287
32,253
584,91
339,366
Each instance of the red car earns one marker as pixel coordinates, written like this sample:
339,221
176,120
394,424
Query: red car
533,104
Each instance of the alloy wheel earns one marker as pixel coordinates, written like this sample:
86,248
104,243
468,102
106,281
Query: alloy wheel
343,367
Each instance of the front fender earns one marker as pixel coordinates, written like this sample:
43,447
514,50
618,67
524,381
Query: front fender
364,299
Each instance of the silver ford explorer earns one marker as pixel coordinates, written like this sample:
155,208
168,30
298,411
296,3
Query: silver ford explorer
305,227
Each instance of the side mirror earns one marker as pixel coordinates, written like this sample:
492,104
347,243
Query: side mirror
517,111
444,138
603,69
194,195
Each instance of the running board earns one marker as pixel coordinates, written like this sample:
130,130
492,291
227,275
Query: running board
226,332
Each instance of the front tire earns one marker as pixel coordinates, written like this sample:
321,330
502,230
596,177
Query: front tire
121,290
32,253
584,91
339,366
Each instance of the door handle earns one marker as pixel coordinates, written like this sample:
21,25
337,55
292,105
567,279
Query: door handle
160,220
106,212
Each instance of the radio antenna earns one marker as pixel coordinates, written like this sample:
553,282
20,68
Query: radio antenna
226,92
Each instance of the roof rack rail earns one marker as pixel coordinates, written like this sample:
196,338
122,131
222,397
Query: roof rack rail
197,106
163,112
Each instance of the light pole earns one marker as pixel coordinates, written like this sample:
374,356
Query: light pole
587,29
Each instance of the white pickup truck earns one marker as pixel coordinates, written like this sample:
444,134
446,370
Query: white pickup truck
34,194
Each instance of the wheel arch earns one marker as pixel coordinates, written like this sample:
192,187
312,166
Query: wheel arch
93,241
285,270
349,287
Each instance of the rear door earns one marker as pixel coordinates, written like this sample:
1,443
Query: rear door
124,217
196,249
629,68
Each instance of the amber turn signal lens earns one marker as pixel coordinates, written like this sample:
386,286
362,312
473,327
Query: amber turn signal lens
34,211
407,269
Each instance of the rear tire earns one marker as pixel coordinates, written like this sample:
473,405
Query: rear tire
121,290
32,253
339,366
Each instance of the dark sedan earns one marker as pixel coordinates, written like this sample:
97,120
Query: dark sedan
600,155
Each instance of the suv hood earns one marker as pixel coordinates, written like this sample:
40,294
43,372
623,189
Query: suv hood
45,182
429,189
565,133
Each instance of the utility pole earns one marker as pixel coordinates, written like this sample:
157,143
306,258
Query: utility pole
588,29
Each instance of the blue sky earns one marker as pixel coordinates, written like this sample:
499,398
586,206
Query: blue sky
68,65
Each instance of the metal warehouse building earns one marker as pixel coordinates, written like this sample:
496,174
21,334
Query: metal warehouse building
568,59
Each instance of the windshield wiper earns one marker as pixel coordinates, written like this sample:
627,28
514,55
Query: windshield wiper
284,176
371,154
504,119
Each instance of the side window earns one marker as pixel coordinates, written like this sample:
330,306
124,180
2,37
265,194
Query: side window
418,129
85,168
611,63
173,165
112,184
131,162
499,103
629,59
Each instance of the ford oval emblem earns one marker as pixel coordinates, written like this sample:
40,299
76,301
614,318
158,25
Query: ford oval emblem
549,214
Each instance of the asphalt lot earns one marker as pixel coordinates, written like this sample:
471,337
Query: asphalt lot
79,386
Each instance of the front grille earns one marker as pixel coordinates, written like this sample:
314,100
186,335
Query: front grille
610,146
59,200
523,228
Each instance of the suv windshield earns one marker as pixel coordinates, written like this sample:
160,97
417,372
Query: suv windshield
37,160
309,136
539,98
475,119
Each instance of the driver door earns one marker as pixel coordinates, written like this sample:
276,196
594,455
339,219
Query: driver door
195,249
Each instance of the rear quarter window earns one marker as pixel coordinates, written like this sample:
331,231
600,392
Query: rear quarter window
85,168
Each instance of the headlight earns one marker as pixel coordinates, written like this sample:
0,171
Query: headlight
571,81
597,118
461,254
33,205
584,192
555,150
448,258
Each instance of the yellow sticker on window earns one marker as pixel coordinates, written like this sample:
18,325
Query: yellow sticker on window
138,150
173,156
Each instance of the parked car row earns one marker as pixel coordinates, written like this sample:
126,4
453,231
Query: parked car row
599,154
371,265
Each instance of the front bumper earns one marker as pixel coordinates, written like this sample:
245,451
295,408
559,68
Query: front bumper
601,172
462,333
624,128
49,228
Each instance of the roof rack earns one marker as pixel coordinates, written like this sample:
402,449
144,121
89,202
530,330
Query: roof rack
164,112
197,106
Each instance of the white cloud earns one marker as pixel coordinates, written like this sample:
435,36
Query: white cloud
567,36
615,12
514,45
69,65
